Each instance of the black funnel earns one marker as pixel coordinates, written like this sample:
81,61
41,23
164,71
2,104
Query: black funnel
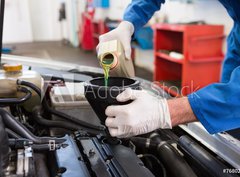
100,97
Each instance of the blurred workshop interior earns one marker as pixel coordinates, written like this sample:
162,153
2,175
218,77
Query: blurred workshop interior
71,104
68,30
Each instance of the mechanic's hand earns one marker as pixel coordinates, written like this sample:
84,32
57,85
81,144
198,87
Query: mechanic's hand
123,33
144,114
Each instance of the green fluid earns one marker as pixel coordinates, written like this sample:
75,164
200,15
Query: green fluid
106,69
106,65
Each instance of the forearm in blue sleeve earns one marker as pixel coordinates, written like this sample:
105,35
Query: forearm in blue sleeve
140,11
217,106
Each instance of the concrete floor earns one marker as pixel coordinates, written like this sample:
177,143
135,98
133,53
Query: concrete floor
60,52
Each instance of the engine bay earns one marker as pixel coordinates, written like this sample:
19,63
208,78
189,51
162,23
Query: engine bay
62,136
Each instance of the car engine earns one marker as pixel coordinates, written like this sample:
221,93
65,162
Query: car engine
62,136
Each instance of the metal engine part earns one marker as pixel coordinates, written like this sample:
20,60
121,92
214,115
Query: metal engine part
96,156
21,163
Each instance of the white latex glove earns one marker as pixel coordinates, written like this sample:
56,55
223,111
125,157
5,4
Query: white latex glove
123,33
144,114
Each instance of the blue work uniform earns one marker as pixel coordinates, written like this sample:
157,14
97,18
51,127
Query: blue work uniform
216,106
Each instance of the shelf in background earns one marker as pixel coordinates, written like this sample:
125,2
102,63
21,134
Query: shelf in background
167,57
190,53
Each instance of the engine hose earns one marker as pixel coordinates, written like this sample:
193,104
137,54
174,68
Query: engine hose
10,101
164,172
12,134
45,147
204,159
18,128
57,113
156,137
4,147
173,160
37,116
145,142
31,85
168,155
21,143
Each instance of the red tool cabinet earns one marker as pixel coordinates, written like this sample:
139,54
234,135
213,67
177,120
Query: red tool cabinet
201,46
86,32
90,32
99,28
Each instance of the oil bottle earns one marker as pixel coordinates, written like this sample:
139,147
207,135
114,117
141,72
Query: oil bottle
8,83
112,58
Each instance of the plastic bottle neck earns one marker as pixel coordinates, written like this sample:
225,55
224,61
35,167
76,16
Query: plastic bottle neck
110,60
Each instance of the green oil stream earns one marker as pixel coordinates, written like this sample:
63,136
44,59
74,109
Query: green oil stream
106,65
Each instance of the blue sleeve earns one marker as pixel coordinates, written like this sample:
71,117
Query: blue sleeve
140,11
233,52
217,106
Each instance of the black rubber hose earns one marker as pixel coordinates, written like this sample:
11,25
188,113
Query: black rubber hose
4,147
145,142
55,112
204,159
41,147
167,154
45,147
10,101
21,143
15,125
37,116
164,172
12,134
173,160
31,85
